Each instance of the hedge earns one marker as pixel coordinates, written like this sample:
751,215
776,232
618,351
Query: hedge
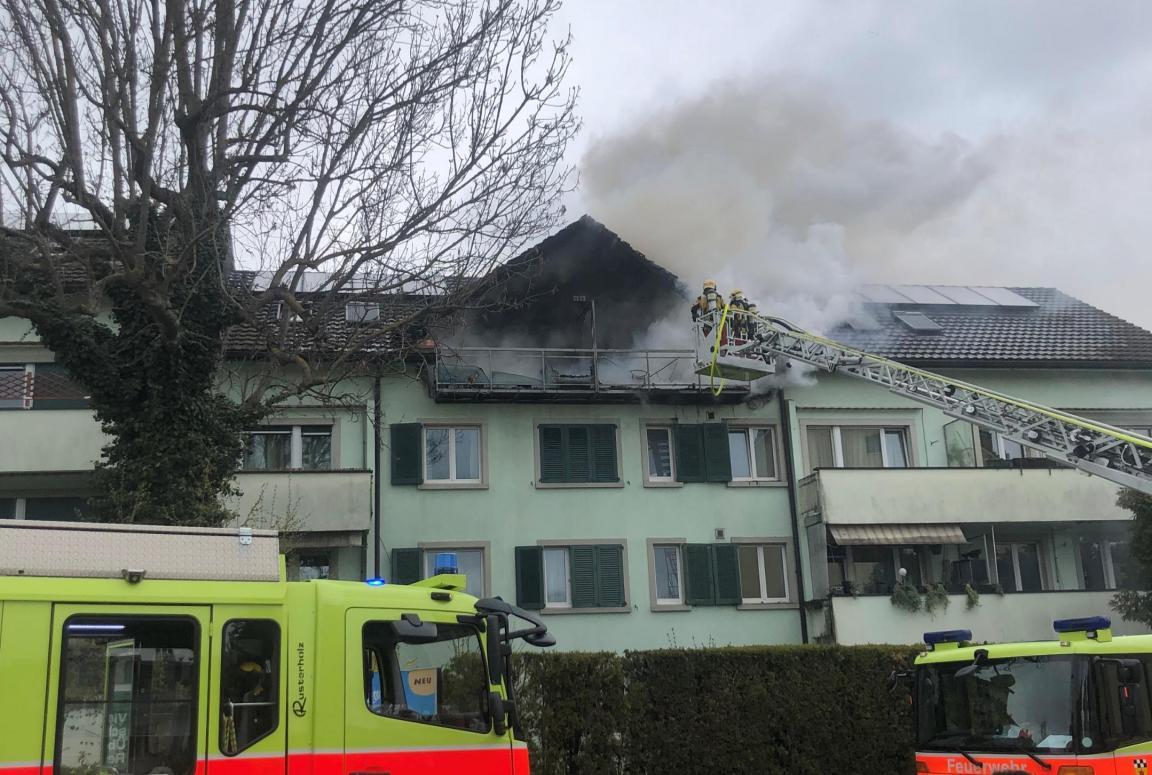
759,709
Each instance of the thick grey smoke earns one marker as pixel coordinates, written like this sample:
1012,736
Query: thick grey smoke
766,186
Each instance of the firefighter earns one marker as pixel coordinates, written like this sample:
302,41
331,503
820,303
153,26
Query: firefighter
751,322
712,297
737,321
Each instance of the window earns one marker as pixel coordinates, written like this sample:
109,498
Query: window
289,447
578,454
452,454
64,509
283,309
1018,566
310,566
851,446
658,442
442,681
250,670
994,447
753,454
470,562
701,452
7,508
1103,563
128,695
668,575
576,577
969,447
15,386
762,575
876,569
362,312
557,579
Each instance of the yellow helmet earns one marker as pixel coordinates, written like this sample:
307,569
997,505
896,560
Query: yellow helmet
709,285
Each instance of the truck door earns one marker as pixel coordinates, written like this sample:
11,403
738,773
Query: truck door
417,703
247,727
127,691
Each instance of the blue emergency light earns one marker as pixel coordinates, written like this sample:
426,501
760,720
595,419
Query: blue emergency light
933,639
1082,624
445,563
375,582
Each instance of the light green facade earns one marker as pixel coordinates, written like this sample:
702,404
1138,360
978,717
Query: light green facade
334,513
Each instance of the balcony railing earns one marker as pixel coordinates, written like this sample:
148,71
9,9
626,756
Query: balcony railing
955,495
470,373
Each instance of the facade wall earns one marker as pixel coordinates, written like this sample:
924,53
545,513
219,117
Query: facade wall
513,510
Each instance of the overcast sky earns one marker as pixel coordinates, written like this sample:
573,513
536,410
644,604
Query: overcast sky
797,148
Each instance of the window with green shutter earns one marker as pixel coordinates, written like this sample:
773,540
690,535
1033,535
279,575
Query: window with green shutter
702,452
581,576
406,566
578,454
406,451
711,574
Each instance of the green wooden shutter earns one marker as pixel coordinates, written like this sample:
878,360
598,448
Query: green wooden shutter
407,453
610,576
583,559
552,464
603,447
530,577
578,453
688,440
717,458
700,582
406,566
725,561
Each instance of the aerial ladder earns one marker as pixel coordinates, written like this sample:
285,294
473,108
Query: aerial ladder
735,342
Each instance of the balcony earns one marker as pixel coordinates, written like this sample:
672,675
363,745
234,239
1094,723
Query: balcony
998,618
956,496
572,376
305,501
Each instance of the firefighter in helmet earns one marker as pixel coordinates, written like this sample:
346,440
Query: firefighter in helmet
737,321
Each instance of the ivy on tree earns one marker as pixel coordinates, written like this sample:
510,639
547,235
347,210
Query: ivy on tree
1134,601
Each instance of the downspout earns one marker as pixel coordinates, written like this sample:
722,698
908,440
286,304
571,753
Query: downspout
790,469
377,417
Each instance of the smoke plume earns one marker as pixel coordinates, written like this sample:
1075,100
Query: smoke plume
766,186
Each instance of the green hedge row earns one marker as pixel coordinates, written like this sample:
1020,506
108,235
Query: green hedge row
762,709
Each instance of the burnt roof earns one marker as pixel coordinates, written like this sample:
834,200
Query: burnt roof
1059,331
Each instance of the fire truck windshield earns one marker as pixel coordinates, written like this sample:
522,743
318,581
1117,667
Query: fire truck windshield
1019,704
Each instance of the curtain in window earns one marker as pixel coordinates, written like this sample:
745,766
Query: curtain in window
820,453
861,447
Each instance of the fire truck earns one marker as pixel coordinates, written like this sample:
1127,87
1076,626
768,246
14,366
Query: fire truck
1076,705
128,650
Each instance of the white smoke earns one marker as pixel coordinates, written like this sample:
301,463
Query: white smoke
765,186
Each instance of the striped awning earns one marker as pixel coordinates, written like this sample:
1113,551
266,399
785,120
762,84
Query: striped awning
895,535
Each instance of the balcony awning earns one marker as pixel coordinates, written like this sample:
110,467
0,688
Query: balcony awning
896,535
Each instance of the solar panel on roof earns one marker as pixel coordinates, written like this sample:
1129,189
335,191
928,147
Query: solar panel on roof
1004,297
918,322
922,294
961,294
883,294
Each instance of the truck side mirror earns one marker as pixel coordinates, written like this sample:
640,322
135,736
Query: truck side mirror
497,712
1131,688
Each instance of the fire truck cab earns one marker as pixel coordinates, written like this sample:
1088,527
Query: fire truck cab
127,650
1077,705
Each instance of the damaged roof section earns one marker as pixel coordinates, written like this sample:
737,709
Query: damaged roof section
994,328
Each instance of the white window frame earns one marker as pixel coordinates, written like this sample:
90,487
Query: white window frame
762,600
562,551
751,448
452,480
428,554
669,601
1015,546
1108,563
649,478
295,445
838,444
371,310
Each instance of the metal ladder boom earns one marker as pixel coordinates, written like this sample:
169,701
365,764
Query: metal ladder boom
1112,453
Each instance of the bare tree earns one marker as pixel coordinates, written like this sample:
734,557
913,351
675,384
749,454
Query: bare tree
373,150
